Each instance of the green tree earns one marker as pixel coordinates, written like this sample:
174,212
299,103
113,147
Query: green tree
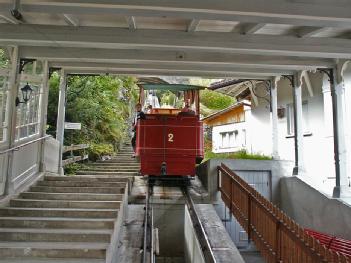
214,100
3,59
100,103
211,101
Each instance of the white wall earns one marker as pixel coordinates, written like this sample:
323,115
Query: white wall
318,143
239,142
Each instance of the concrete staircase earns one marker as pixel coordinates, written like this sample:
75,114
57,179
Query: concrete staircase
120,165
69,219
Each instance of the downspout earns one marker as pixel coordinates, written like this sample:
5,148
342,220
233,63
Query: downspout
330,74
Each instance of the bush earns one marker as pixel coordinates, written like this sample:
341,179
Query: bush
242,154
98,150
71,169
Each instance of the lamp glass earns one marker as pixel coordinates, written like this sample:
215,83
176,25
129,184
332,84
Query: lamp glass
26,92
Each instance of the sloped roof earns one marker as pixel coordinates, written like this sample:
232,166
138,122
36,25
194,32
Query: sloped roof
219,113
234,88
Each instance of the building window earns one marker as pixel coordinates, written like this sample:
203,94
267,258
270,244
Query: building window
3,104
27,120
290,118
229,139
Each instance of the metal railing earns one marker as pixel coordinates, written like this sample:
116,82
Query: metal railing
16,148
277,236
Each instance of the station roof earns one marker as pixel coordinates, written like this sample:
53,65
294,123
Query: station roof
252,39
171,87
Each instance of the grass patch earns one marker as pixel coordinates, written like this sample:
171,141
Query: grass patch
242,154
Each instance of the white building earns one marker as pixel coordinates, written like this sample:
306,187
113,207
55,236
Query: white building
263,132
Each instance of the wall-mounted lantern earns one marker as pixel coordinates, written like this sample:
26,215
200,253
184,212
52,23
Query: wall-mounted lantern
281,112
26,94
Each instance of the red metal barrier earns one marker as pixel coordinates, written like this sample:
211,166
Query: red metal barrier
331,242
276,235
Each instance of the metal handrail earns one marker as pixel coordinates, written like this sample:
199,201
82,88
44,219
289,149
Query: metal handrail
16,148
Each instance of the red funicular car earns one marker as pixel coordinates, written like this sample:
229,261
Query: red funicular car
170,140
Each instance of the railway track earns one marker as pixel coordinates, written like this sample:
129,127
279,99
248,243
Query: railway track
150,239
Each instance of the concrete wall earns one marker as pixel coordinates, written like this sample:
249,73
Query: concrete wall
169,219
51,155
192,248
312,209
207,173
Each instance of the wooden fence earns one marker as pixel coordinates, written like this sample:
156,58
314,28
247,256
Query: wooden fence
72,158
277,236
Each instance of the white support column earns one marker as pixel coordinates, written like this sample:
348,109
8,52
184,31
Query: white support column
60,127
298,125
248,127
43,106
11,112
274,118
341,189
44,98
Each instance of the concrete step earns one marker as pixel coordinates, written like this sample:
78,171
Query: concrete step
88,178
56,222
66,251
72,196
81,184
112,169
64,204
50,260
55,235
120,160
58,212
102,190
115,165
87,172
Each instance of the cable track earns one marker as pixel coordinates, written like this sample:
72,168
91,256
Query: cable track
148,239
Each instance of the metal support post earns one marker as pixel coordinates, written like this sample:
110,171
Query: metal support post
298,132
298,127
60,127
274,118
337,95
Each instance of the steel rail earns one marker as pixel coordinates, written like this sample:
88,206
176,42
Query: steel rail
16,148
148,254
199,229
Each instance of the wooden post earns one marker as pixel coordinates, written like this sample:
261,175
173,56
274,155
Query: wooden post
249,218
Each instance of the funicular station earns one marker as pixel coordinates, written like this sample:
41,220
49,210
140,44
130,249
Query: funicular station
286,63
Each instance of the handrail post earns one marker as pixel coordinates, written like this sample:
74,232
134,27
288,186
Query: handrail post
277,242
231,196
249,218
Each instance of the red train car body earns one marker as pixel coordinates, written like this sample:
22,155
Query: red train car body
169,143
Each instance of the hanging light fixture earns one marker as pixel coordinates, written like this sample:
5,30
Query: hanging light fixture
26,94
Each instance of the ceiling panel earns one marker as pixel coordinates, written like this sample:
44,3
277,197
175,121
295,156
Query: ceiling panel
161,23
216,26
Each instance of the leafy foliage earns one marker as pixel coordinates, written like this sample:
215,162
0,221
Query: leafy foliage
98,150
100,103
214,100
72,168
3,59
